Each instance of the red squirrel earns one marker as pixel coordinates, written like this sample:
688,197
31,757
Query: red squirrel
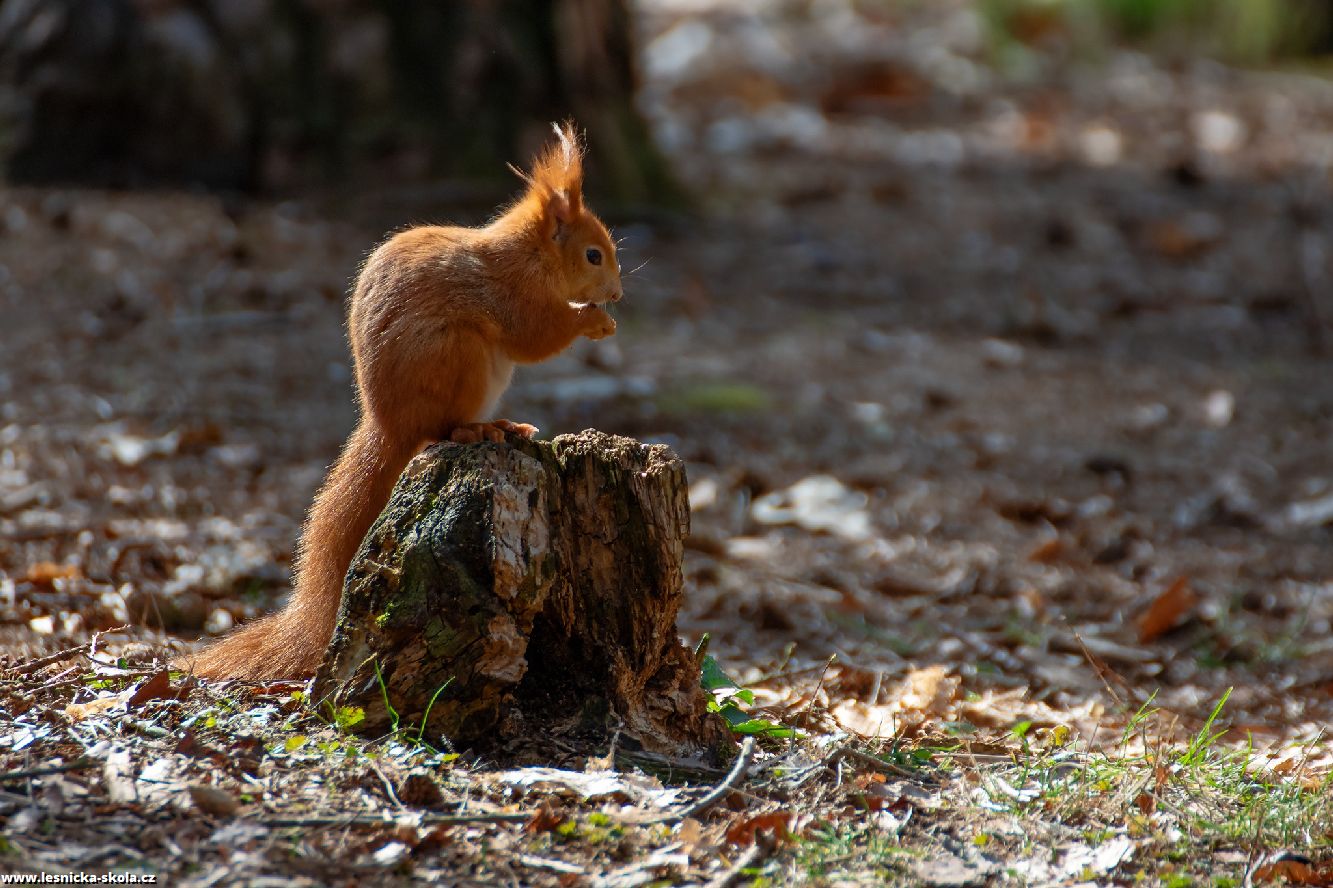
437,320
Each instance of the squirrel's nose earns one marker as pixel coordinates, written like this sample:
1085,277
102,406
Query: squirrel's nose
617,295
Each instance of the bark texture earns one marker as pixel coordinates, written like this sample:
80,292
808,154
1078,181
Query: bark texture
526,589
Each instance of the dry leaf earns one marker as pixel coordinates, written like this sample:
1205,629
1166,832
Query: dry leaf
690,834
1185,238
391,854
945,870
591,786
280,689
1292,869
818,503
420,791
157,687
188,744
1004,709
878,720
44,573
1047,551
437,838
130,450
25,820
1100,860
118,775
743,831
930,690
80,711
1167,610
212,800
544,819
700,840
1310,513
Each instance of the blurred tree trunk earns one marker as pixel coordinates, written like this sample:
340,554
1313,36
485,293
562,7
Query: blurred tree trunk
275,93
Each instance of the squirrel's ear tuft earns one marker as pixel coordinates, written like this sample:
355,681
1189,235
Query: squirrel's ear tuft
557,176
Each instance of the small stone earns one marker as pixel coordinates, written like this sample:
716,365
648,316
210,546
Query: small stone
212,800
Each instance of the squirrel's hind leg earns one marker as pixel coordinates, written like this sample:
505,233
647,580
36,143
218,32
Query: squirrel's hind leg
522,429
473,432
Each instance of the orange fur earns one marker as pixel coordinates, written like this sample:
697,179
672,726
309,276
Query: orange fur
437,319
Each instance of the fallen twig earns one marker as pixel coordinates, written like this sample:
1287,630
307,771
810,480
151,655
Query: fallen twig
61,680
555,866
32,666
742,764
744,862
147,729
371,820
388,786
24,774
819,686
1107,675
864,758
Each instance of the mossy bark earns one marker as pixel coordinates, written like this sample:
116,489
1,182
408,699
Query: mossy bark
523,590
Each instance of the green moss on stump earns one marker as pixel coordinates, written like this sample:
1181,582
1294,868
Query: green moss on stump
535,582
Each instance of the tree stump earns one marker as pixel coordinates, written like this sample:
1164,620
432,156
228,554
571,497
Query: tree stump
526,589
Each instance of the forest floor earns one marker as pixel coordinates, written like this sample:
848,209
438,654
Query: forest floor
1006,399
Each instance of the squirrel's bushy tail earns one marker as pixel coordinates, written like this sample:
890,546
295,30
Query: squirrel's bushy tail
289,644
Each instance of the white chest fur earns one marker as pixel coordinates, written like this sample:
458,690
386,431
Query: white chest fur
502,370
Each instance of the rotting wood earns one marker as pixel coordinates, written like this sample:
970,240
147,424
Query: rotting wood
511,592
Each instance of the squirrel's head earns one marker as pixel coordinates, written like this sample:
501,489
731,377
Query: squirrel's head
574,238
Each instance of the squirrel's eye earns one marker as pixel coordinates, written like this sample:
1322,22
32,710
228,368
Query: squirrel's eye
594,255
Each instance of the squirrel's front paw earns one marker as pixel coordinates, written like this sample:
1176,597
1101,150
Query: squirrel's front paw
595,323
